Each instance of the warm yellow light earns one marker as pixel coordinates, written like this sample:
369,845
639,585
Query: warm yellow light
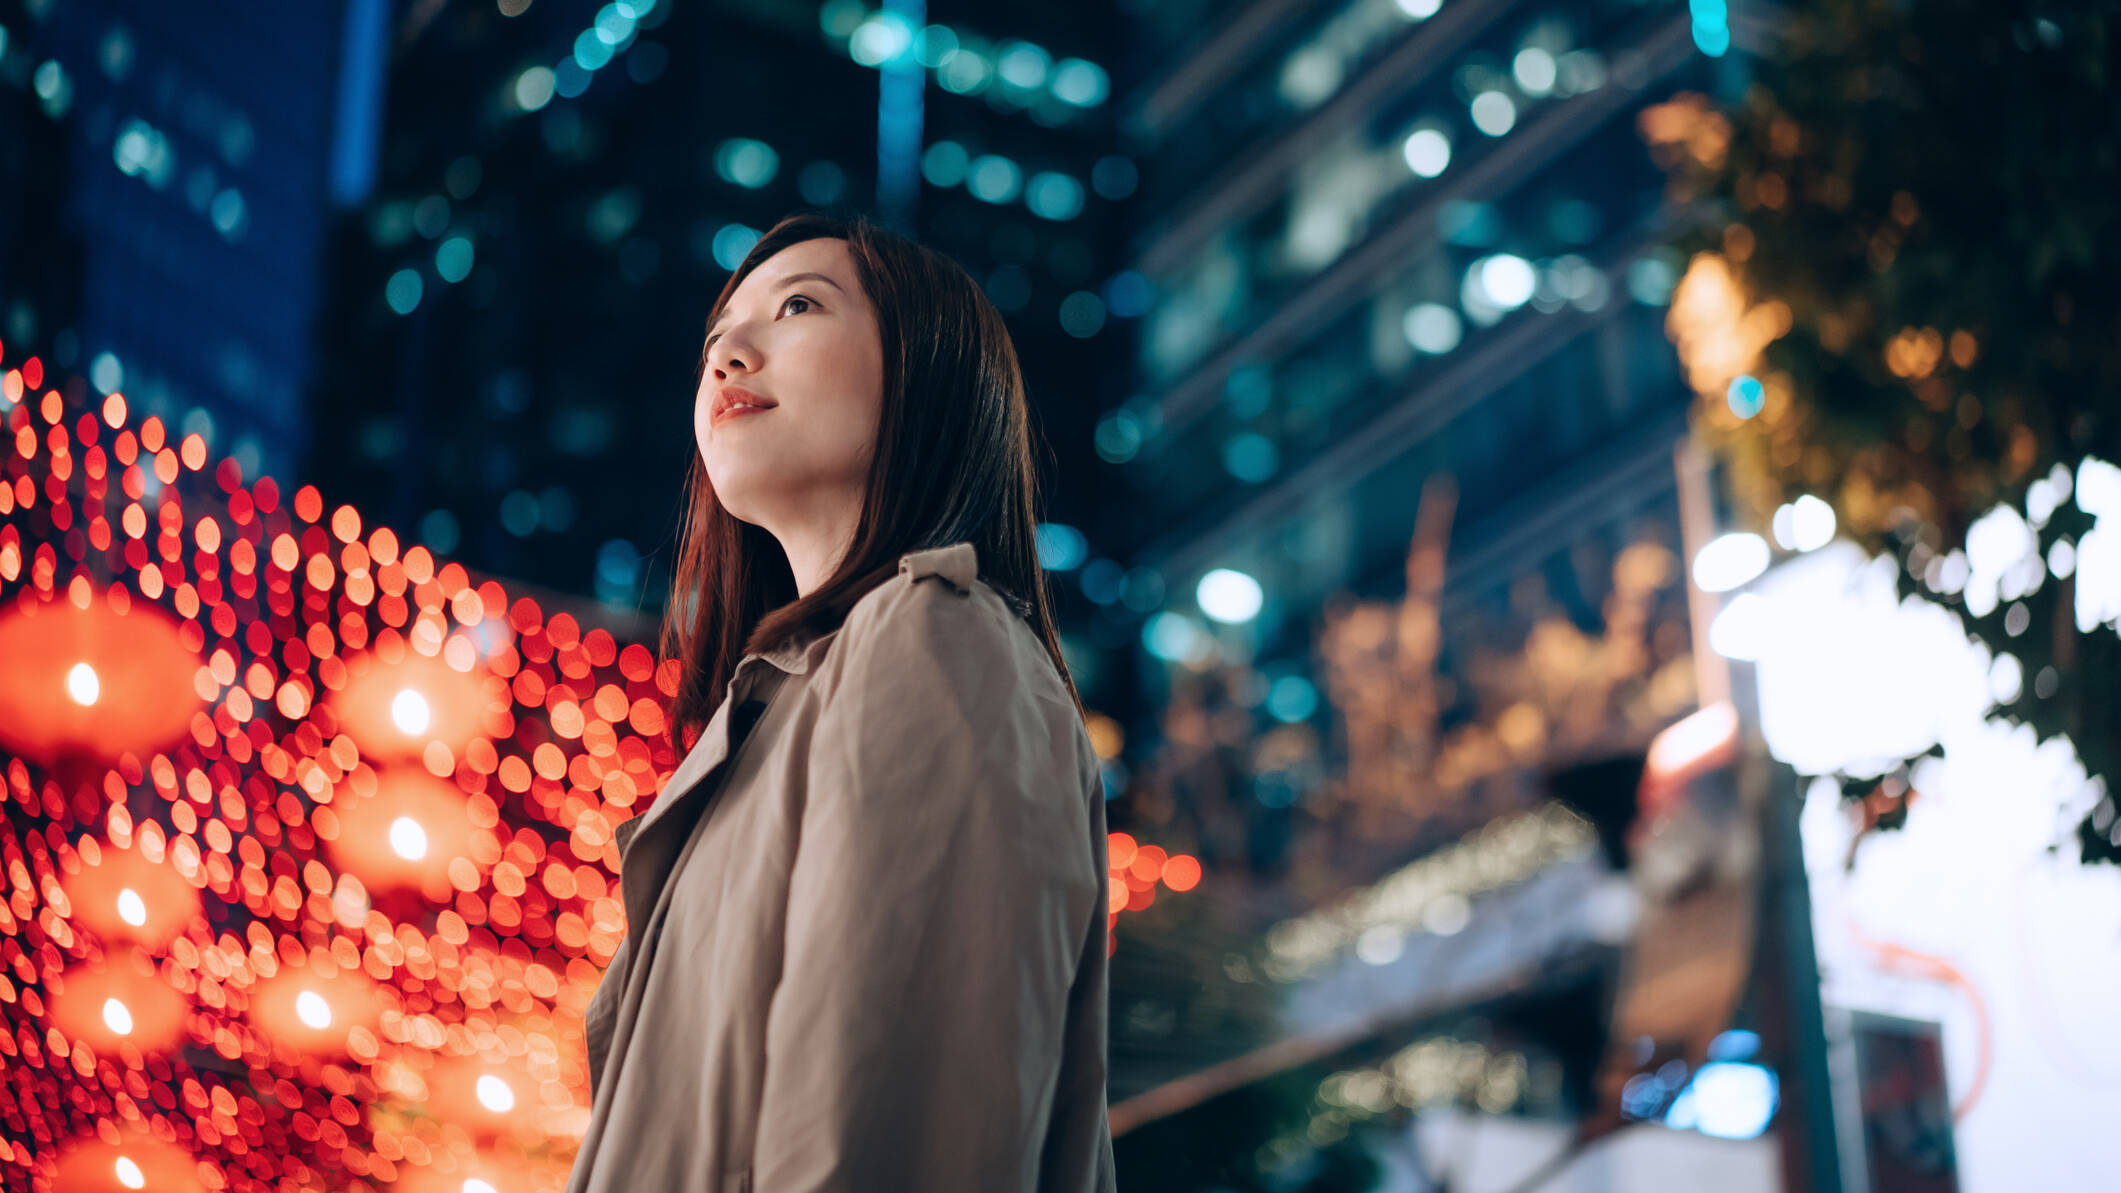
409,712
82,684
311,1008
131,907
495,1095
408,839
116,1017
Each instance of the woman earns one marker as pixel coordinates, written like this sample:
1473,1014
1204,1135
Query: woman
866,915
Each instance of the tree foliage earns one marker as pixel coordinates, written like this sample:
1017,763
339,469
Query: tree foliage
1911,308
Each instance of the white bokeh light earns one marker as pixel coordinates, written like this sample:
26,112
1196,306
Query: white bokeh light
1229,596
1507,280
495,1095
1494,113
1805,524
83,685
1535,70
117,1017
312,1009
409,712
131,907
407,839
1427,151
1729,561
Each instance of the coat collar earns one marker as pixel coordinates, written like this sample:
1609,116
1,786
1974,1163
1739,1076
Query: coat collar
957,562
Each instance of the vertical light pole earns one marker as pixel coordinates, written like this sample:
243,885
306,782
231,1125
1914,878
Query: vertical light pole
1786,967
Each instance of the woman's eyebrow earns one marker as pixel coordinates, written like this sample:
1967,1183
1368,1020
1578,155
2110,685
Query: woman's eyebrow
783,284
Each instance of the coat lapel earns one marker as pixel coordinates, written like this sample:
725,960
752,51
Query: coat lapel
649,843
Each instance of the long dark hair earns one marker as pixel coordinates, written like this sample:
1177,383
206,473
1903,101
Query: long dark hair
956,465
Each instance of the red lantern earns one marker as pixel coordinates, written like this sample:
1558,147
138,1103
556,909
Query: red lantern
117,1001
394,709
491,1098
126,897
313,1009
93,681
138,1160
406,835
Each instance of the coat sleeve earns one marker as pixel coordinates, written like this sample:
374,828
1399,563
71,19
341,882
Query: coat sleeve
939,902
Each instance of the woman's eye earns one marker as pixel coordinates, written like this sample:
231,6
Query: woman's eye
807,305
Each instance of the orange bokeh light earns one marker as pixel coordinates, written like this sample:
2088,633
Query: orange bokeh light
93,681
405,835
127,897
137,1161
312,1009
393,709
116,1001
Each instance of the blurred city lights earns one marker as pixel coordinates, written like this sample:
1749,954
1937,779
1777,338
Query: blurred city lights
1729,561
1743,628
1292,699
1534,70
1506,280
1083,84
1712,26
1061,547
1805,524
1746,396
1229,596
1428,152
1054,196
993,179
1726,1099
1175,638
747,163
1433,327
1494,113
944,163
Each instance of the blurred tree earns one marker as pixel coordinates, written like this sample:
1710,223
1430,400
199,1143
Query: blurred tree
1911,312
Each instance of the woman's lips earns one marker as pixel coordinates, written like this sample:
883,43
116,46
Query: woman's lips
729,412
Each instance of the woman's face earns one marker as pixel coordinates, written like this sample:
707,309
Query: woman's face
798,333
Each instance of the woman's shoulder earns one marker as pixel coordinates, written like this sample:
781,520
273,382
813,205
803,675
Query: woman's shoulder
938,604
935,588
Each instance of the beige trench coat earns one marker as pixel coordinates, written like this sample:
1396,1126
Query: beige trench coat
866,943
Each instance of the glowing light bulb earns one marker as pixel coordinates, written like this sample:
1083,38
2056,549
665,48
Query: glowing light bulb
313,1010
129,1173
116,1017
131,907
82,684
408,838
409,712
495,1095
